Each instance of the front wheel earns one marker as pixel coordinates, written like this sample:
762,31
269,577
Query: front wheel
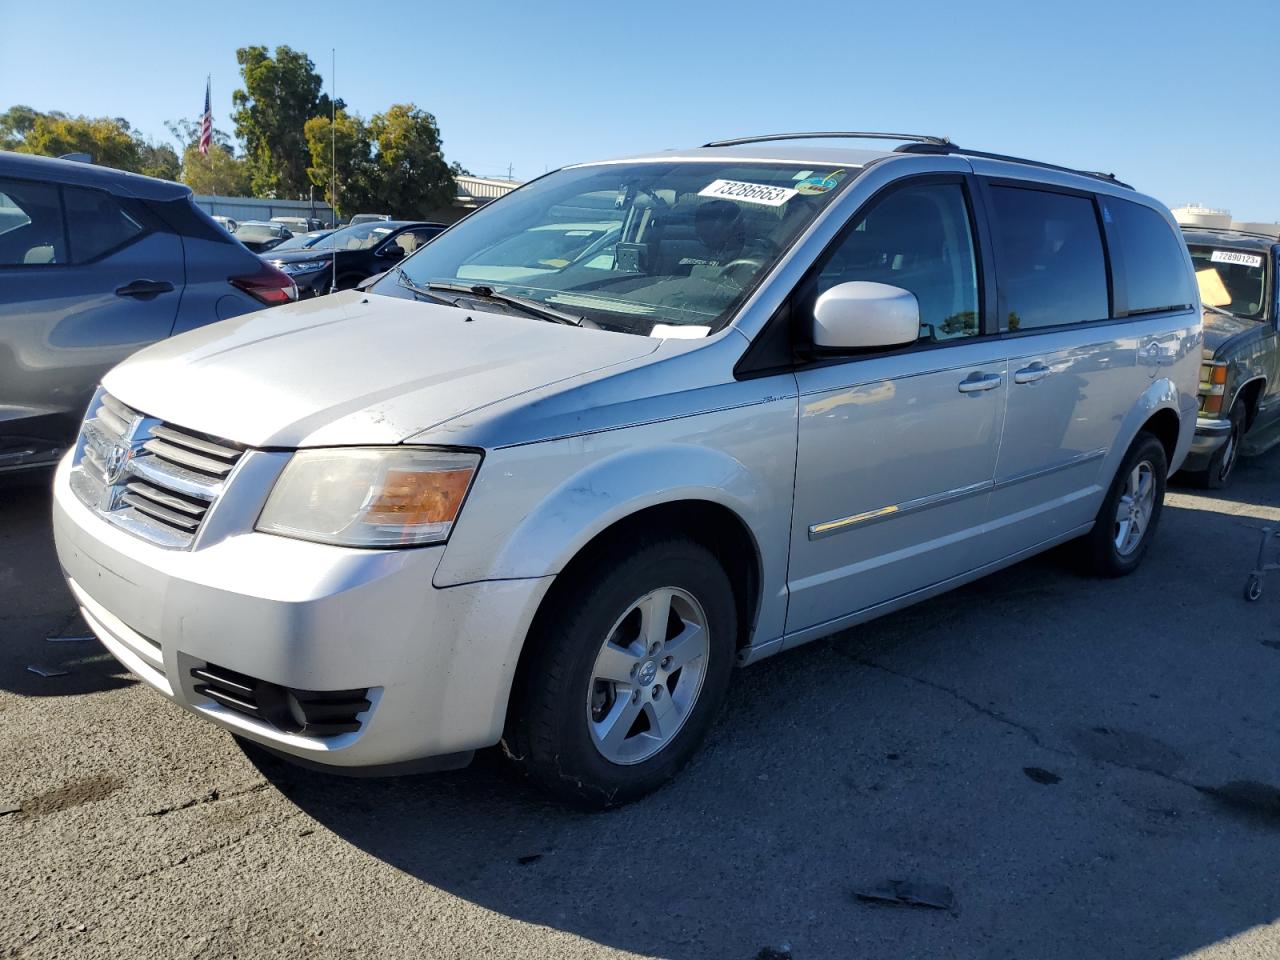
1129,514
627,669
1222,464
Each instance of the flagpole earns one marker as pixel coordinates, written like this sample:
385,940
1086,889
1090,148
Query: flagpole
333,154
208,92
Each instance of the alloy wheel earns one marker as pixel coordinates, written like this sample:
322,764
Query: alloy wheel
1133,512
647,675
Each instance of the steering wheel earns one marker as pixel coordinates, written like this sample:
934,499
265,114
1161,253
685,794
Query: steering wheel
731,269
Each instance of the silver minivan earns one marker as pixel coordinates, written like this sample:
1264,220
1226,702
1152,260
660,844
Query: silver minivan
784,389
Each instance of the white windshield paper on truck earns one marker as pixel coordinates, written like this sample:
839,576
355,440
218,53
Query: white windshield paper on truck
761,193
1235,256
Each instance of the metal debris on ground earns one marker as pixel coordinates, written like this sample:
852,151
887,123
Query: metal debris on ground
775,953
47,671
76,638
1041,775
910,893
8,808
528,859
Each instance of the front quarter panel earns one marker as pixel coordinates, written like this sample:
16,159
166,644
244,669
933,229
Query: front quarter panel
534,506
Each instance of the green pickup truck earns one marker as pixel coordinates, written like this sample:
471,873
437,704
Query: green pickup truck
1240,374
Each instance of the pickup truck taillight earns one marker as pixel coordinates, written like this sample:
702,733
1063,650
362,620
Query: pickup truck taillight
268,285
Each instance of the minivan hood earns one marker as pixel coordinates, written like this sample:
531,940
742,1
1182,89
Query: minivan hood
355,368
1218,329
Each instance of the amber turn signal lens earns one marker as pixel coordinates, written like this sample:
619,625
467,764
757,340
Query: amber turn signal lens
1213,403
1218,374
414,497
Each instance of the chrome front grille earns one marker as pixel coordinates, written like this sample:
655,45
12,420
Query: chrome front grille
154,479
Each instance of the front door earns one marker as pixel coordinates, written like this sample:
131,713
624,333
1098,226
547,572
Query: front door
896,452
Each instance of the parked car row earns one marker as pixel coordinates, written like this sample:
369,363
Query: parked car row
341,259
550,478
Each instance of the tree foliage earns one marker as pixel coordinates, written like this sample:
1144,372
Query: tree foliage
221,173
392,164
348,142
280,95
110,141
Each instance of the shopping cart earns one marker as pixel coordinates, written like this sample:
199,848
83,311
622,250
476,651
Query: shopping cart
1270,543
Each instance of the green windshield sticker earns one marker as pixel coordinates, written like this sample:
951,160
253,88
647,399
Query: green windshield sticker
814,185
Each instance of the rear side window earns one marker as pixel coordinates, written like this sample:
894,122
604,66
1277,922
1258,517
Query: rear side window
30,224
96,223
1049,259
1155,272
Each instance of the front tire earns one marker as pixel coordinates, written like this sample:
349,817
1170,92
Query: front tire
1127,520
1217,474
627,668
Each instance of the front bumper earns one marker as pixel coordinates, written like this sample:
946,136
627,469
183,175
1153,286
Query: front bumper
437,662
315,284
1210,435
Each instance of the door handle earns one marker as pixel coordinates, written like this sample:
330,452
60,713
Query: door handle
1037,371
976,382
144,289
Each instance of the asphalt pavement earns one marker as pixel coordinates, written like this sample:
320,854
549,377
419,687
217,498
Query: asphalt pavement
1089,767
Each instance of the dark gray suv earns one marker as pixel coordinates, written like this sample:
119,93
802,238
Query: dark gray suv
94,264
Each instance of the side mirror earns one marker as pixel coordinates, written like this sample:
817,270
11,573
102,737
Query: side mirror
392,251
862,314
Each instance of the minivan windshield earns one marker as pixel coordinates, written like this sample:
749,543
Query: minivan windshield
639,247
1232,280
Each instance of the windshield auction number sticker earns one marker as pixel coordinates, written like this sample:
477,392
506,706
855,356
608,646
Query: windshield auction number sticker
761,193
1235,256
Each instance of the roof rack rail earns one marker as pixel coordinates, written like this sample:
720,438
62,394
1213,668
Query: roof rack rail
954,148
1258,234
833,135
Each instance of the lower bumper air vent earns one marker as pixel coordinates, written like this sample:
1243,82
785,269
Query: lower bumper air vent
311,713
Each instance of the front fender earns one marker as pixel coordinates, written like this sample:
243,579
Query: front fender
599,495
535,506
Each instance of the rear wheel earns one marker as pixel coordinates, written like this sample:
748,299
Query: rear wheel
626,671
1127,519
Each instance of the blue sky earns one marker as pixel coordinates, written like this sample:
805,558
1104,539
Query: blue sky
1176,97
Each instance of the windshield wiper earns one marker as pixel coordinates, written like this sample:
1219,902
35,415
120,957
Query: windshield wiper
1220,311
402,278
529,305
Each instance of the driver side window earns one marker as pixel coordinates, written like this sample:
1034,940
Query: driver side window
918,238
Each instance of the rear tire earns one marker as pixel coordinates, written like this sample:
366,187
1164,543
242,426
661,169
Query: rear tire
628,665
1130,512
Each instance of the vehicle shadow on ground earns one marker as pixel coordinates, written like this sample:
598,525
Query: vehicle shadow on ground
1086,765
35,604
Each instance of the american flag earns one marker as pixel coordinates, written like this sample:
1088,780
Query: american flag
206,124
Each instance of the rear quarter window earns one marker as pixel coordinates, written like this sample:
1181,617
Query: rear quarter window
1153,275
96,223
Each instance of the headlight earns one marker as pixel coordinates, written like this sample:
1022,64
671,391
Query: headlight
307,266
370,496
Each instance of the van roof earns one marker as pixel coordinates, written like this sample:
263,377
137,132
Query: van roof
768,147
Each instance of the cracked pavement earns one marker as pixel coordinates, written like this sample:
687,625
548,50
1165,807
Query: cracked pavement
1090,766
